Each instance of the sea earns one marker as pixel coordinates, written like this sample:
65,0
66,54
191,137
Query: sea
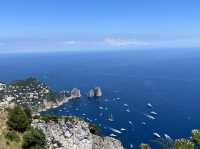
166,79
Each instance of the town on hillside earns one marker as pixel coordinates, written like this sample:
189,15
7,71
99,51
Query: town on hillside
36,94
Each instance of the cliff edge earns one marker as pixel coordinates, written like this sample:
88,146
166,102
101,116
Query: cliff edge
74,134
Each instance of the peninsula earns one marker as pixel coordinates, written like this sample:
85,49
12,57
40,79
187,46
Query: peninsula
34,94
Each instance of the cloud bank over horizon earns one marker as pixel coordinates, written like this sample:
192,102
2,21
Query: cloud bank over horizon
55,43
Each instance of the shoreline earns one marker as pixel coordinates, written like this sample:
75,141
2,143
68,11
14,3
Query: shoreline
56,104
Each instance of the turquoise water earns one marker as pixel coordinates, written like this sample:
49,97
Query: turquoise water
168,79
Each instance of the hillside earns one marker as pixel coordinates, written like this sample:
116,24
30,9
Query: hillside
5,143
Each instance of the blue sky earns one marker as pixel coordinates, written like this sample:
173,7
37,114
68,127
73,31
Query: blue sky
49,25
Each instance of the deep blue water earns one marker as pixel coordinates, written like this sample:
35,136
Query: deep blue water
169,79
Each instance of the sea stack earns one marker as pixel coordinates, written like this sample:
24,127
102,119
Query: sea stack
90,93
76,93
97,92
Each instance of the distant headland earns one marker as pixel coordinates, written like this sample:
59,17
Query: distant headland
37,95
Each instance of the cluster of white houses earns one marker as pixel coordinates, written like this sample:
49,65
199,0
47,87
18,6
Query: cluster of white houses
2,86
37,95
30,94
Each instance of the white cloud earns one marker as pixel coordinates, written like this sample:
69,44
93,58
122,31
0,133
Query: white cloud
124,42
70,42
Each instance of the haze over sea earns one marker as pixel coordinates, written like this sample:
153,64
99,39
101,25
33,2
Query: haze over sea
167,78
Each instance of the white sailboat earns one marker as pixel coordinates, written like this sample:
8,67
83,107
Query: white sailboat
111,119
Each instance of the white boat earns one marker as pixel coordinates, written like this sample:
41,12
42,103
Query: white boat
128,110
123,129
131,145
153,113
130,122
111,119
126,105
101,108
89,119
143,123
149,105
150,117
167,137
115,130
155,134
113,135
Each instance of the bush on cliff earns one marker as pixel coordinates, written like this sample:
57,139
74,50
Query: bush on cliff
28,113
12,136
144,146
17,119
33,138
196,137
183,144
94,129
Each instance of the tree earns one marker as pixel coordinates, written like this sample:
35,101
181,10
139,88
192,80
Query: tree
28,112
17,119
34,138
196,137
145,146
12,136
183,144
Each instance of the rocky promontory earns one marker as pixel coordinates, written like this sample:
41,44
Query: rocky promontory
74,134
96,92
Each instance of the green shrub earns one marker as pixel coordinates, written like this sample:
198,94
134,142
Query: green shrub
33,138
196,137
94,129
183,144
17,119
48,118
145,146
12,136
28,112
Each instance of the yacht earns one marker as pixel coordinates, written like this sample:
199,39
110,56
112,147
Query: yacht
111,119
115,130
150,117
155,134
149,105
153,113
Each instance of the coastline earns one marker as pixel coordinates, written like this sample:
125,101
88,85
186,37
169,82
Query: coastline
50,105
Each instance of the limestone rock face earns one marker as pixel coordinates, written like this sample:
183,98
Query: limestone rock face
97,92
76,92
74,135
90,93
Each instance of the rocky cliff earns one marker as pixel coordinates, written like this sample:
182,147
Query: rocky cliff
97,92
74,134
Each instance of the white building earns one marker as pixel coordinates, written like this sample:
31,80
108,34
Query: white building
2,86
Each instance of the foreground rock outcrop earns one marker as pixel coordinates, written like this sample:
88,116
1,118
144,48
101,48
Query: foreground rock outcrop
74,134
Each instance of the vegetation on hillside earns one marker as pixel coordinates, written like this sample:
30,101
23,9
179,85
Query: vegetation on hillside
34,138
27,82
145,146
17,119
94,129
17,132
